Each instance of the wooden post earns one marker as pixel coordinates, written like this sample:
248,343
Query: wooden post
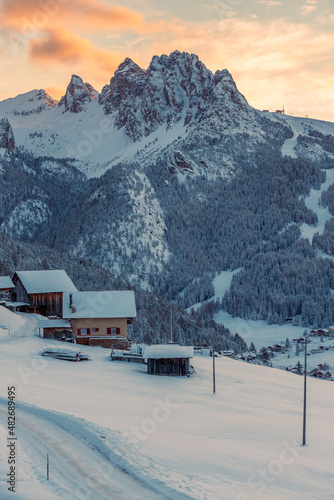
171,323
304,410
47,467
213,362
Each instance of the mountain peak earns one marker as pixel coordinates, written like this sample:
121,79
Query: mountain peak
77,95
128,66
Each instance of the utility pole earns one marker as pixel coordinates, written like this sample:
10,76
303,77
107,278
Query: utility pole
171,323
304,411
213,362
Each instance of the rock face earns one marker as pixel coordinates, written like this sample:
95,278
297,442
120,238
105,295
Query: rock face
46,100
175,88
77,95
7,140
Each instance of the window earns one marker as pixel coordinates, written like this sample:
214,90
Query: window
113,331
83,331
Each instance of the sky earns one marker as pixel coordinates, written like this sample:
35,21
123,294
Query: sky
280,52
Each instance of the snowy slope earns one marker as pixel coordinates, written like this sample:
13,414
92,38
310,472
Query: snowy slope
242,443
313,203
300,126
10,323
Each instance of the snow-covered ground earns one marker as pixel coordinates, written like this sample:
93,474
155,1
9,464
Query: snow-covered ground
313,202
112,431
300,126
221,284
258,332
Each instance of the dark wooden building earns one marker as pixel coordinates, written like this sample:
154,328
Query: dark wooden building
168,360
42,291
6,289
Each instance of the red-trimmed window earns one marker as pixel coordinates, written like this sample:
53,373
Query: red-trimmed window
95,330
83,331
113,331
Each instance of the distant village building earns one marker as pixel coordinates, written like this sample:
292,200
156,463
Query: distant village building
100,318
169,359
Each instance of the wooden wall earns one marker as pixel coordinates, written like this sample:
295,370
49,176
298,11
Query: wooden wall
19,291
49,304
173,367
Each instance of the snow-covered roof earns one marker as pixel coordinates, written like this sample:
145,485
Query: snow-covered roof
6,282
164,351
54,323
46,281
104,304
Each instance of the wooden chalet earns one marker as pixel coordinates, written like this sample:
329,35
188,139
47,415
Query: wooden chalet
170,359
100,318
42,291
6,289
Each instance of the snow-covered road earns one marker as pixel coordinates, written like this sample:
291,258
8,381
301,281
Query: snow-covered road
80,461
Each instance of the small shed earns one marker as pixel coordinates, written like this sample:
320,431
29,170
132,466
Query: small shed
59,329
169,359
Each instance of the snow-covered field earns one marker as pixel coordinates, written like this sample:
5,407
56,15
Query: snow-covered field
112,431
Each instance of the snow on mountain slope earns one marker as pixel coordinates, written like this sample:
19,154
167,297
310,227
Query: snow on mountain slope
301,127
313,202
23,105
138,115
243,442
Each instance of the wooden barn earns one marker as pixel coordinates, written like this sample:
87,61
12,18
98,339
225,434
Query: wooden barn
42,291
6,289
100,318
169,360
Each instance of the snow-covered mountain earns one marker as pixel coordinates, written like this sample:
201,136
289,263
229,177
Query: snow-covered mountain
169,176
138,115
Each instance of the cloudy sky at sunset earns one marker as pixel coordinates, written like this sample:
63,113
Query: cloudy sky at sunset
278,51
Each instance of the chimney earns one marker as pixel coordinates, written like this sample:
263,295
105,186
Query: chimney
72,306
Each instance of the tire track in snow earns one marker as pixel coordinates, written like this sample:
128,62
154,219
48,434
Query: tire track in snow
77,470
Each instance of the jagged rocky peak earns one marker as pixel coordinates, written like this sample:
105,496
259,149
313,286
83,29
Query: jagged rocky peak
226,89
7,140
181,83
127,83
175,88
77,95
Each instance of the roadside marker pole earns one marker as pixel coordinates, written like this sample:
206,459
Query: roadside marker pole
213,362
47,467
304,409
